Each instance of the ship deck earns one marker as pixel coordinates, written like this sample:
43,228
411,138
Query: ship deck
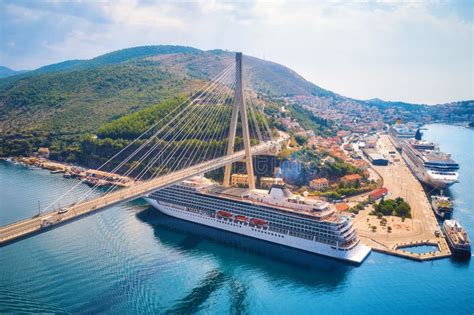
239,194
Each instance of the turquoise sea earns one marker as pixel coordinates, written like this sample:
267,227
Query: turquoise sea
131,259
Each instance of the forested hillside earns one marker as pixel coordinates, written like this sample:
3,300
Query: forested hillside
57,104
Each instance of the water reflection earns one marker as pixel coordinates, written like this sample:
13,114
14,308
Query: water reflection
191,303
276,262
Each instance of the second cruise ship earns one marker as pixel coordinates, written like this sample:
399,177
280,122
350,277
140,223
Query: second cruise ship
275,215
429,164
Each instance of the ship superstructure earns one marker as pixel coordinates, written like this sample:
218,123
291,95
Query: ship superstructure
401,132
429,164
275,215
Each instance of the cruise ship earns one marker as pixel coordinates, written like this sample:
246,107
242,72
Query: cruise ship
429,164
276,216
399,133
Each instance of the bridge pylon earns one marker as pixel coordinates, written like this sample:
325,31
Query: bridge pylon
239,106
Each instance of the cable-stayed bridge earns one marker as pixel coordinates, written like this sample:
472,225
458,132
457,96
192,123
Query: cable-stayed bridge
195,137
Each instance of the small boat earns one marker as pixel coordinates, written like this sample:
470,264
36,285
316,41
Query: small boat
442,206
457,238
224,214
241,218
95,182
67,175
57,171
258,222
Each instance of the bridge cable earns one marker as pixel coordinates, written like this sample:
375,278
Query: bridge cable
209,84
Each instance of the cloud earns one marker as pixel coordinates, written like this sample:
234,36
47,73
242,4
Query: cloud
410,51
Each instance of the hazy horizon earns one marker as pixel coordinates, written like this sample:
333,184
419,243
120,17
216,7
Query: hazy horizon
410,52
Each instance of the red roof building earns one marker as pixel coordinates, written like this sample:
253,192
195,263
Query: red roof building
378,193
341,207
351,178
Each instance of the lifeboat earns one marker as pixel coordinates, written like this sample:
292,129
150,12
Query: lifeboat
224,214
258,222
241,218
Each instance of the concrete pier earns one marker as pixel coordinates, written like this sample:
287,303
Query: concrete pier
421,229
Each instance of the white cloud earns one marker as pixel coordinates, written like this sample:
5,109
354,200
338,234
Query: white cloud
410,51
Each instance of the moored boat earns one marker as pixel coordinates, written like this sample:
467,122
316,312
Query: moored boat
275,215
224,214
258,222
442,206
457,238
429,164
95,182
241,219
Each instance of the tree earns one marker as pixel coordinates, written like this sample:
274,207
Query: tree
357,184
300,140
403,210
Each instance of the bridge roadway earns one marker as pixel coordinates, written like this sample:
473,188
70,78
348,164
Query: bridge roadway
21,229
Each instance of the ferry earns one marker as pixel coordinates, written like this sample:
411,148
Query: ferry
275,215
429,164
457,238
442,206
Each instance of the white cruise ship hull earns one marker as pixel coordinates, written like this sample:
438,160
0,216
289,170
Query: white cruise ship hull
356,255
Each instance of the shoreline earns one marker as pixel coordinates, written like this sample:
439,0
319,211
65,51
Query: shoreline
89,176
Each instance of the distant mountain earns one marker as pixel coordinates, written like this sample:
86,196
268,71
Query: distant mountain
79,96
7,72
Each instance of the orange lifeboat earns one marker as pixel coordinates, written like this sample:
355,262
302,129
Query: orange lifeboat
258,222
224,214
241,218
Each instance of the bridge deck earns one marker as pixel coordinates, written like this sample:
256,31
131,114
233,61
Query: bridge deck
24,228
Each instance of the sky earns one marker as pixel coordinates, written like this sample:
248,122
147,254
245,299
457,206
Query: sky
412,51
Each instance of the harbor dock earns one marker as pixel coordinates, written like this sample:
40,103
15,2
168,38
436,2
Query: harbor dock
89,176
421,229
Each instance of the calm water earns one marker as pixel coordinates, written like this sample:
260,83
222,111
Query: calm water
130,259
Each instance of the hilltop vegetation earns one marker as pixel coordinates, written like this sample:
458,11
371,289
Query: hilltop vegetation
118,83
309,121
57,105
7,72
196,132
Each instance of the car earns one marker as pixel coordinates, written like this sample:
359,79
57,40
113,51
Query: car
63,210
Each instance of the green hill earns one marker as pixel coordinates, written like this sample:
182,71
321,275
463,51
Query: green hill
7,72
80,95
57,105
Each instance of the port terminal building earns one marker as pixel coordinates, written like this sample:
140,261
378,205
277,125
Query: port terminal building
375,158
